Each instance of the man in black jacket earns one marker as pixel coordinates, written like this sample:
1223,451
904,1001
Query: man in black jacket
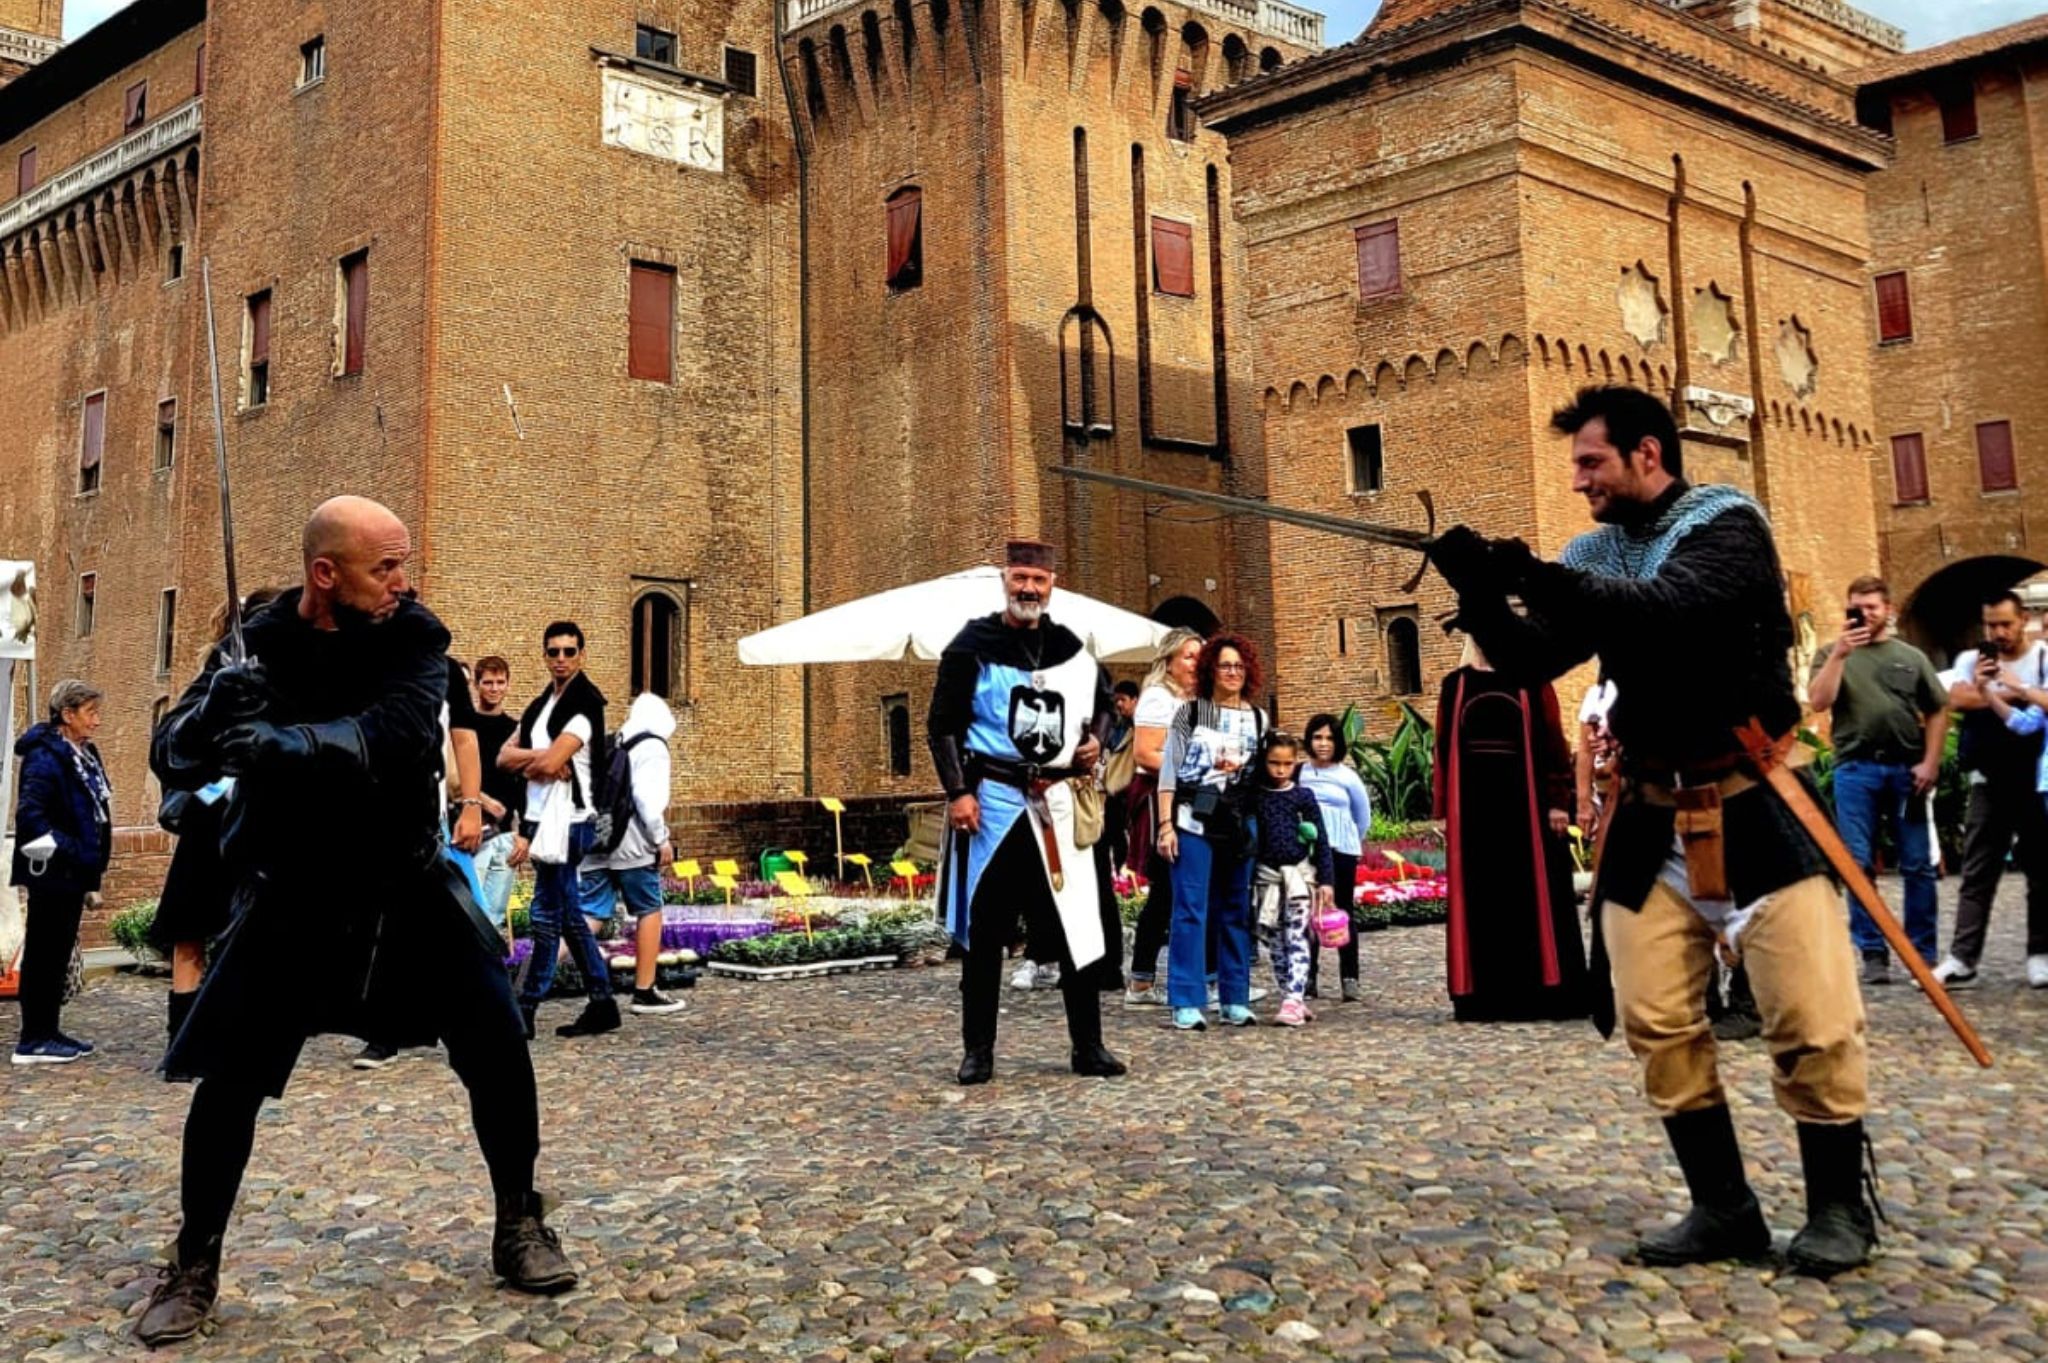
1679,594
337,727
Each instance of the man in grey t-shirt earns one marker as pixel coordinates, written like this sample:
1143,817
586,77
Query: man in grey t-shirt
1890,722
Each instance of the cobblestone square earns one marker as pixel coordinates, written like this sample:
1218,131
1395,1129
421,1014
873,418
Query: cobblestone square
788,1171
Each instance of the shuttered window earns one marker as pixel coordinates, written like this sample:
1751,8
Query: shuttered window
1379,260
906,238
137,108
256,373
25,172
166,433
88,603
650,341
1909,468
1894,307
166,630
354,297
1996,468
199,71
1173,257
92,442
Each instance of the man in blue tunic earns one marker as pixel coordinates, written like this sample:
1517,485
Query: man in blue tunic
1020,712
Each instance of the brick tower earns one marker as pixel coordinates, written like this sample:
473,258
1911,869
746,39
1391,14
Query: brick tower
1019,254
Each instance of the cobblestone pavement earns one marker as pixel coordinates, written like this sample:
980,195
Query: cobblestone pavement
788,1171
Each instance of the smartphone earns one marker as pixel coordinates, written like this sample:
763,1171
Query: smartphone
1855,617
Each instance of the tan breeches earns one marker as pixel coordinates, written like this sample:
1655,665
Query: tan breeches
1802,970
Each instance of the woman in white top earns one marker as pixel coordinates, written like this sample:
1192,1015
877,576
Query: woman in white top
1170,682
1347,814
1207,835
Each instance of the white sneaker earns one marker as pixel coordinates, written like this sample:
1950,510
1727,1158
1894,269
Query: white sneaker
1025,976
2037,972
1954,975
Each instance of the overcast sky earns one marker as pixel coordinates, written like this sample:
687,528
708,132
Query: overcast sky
1949,18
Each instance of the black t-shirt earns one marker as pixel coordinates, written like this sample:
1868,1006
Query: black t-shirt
508,788
461,710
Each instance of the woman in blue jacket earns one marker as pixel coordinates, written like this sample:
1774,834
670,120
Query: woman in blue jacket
62,824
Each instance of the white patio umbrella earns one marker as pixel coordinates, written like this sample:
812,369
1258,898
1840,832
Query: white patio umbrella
918,621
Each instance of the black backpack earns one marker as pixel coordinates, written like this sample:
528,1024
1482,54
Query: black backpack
613,798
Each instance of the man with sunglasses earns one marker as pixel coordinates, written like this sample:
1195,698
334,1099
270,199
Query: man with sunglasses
559,749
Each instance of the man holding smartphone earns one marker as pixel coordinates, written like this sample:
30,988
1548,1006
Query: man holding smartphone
1890,722
2005,800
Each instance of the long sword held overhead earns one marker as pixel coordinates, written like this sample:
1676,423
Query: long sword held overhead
238,651
1417,540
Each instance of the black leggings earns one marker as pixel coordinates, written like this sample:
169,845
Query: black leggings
1014,880
1346,870
487,1051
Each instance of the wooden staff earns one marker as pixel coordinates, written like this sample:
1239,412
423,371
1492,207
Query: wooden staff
1768,756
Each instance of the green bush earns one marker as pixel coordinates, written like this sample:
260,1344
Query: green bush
1397,770
130,928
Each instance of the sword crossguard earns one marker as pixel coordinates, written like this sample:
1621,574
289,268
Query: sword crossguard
1429,512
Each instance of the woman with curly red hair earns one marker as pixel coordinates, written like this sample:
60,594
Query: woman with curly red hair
1206,831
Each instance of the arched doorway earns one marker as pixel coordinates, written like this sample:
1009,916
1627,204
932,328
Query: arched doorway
1942,618
1184,612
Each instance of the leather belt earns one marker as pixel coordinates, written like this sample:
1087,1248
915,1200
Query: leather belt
1034,781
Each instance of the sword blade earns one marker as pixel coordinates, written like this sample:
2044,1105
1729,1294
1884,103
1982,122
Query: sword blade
238,651
1417,540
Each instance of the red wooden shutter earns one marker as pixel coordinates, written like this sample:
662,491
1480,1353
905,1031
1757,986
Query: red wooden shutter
259,328
1894,307
355,273
1995,466
651,325
1173,257
1909,468
25,172
199,71
137,107
906,238
94,441
1379,259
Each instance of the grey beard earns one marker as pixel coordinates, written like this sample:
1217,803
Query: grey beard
1029,612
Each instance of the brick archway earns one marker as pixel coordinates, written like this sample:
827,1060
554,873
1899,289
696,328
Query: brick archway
1941,615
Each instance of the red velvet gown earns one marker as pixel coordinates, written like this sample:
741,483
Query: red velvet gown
1515,953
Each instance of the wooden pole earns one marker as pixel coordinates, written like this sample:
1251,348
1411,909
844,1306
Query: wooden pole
1768,756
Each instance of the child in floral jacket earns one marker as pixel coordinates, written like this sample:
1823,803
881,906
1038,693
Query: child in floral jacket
1293,876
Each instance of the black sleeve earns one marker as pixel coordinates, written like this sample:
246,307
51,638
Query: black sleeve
1533,647
180,754
1105,707
461,709
952,710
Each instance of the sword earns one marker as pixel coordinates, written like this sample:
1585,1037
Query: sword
1767,755
1417,540
238,650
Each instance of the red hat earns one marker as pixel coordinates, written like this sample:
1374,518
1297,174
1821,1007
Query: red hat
1028,554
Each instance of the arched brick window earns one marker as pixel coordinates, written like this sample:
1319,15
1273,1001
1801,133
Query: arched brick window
660,650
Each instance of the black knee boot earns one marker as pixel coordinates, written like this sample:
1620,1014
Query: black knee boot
1840,1230
1084,1026
1739,1020
179,1009
979,1007
1725,1221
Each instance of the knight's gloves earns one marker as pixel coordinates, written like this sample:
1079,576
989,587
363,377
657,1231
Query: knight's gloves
236,694
1513,563
262,747
1465,558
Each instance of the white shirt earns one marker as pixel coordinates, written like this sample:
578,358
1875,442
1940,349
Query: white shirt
543,739
1156,708
2031,667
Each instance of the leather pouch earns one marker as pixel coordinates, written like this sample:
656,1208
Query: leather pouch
1700,833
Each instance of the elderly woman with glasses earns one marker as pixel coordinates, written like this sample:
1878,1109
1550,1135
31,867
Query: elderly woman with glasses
62,844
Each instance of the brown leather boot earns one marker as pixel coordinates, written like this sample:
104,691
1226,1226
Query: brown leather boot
525,1253
183,1299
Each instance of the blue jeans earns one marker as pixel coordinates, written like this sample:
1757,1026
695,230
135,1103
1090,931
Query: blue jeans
1865,794
497,873
1211,892
558,913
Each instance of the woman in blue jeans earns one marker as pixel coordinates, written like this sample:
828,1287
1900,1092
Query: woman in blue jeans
1213,739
